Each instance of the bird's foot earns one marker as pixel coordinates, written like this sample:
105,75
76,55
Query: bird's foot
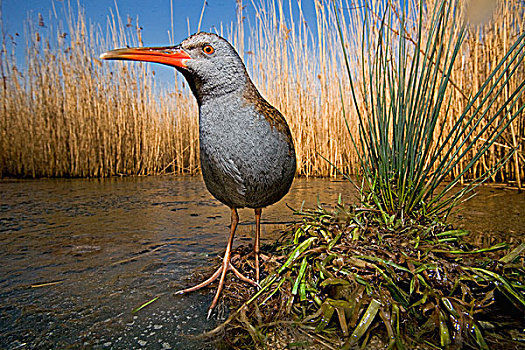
216,275
256,263
213,277
262,256
244,278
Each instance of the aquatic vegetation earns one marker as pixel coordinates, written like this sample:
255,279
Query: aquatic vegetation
340,277
65,114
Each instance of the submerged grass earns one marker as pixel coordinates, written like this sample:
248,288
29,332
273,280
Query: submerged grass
354,277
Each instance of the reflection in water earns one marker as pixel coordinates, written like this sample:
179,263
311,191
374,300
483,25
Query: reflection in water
78,255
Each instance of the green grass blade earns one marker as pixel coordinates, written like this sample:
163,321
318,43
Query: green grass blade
365,321
144,305
501,282
297,251
300,276
515,253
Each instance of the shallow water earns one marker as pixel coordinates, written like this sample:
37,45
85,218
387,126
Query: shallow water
77,256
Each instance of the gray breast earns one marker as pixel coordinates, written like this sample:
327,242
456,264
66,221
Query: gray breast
246,161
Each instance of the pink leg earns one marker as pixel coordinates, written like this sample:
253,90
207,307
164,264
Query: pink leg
256,246
226,260
226,265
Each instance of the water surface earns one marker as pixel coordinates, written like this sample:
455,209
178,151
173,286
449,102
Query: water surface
77,256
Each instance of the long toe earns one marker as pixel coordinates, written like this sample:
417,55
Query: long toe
242,277
213,277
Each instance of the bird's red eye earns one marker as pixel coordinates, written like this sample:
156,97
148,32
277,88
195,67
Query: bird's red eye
208,49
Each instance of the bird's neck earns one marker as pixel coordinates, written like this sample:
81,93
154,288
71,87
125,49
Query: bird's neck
210,89
232,108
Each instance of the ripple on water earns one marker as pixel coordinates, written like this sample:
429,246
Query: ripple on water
78,255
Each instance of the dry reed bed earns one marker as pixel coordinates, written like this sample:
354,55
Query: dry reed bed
71,115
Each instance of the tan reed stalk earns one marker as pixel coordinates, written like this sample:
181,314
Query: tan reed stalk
71,115
302,75
68,114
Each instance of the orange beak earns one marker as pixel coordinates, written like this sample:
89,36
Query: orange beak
169,55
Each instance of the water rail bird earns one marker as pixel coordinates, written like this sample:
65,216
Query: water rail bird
246,149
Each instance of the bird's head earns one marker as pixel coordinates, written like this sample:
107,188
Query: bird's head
209,63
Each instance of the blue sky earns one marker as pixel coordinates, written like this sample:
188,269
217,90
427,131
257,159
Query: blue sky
154,17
